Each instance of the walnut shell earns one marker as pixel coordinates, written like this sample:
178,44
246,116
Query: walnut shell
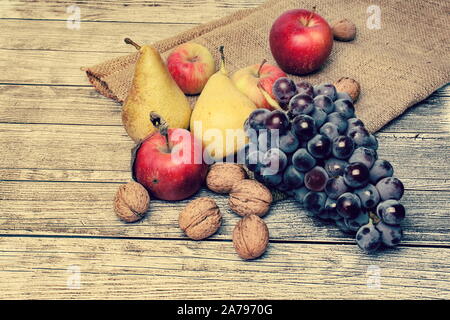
250,237
350,86
200,219
344,30
131,202
222,176
248,197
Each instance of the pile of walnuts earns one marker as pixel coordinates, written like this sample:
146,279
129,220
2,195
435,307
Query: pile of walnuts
250,199
201,218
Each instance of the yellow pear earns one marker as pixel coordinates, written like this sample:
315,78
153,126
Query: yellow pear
153,89
219,115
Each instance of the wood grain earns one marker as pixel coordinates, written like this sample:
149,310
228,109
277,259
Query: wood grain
133,11
78,147
80,208
83,105
39,268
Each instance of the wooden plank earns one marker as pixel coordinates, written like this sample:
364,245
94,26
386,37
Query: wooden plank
91,37
77,208
162,11
75,147
82,105
43,268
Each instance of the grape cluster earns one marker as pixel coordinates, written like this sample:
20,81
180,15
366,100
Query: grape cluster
318,152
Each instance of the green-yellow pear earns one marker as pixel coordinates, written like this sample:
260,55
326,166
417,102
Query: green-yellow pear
219,115
153,89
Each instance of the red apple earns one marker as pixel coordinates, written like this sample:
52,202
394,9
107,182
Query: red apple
300,41
249,79
191,65
172,167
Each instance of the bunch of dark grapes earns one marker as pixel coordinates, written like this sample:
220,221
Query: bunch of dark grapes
318,152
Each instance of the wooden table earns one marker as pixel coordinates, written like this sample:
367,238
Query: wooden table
64,153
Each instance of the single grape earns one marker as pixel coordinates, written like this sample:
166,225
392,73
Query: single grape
368,238
368,195
345,108
273,162
304,127
363,138
354,123
268,139
257,119
358,222
335,187
272,180
343,96
342,147
390,235
289,142
348,205
292,178
335,167
339,120
324,103
303,161
330,130
314,202
364,155
300,104
253,160
316,179
356,175
380,169
319,146
300,193
390,188
391,211
278,120
326,89
330,206
284,89
319,116
304,87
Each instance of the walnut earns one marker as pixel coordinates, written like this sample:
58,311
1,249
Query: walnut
249,197
350,86
200,219
222,176
131,202
250,237
344,30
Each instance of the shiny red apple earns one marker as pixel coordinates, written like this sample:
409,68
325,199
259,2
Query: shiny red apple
170,167
300,41
191,65
249,80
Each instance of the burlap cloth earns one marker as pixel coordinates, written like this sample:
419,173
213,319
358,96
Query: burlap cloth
397,66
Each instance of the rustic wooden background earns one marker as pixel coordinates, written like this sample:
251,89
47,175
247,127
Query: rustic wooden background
64,153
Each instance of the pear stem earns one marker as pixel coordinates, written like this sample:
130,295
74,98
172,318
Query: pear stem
260,67
161,125
310,16
134,44
222,58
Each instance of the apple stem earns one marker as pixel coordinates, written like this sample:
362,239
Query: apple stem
161,125
310,16
260,67
134,44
